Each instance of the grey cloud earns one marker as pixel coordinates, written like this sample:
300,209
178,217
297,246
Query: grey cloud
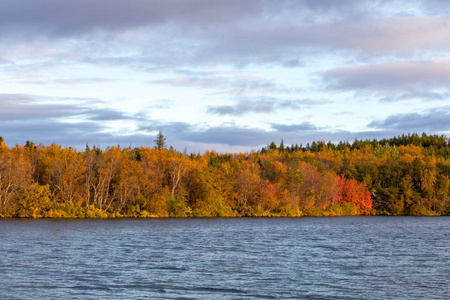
4,98
178,134
234,83
305,126
312,102
72,81
435,7
243,108
290,104
105,114
204,82
263,105
409,95
233,136
49,131
251,138
12,111
182,134
48,125
28,108
56,17
381,36
72,16
432,121
350,136
215,32
227,110
397,75
176,131
364,38
76,135
29,117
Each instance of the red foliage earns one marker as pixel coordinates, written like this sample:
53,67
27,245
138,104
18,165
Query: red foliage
353,191
268,195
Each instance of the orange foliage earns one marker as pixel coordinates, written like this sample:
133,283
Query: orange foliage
408,175
353,191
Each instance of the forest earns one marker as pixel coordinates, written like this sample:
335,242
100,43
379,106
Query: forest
404,175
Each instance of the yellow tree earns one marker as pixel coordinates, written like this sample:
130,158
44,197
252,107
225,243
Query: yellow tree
15,174
267,198
247,185
178,167
327,190
204,190
129,180
63,170
101,169
34,201
155,167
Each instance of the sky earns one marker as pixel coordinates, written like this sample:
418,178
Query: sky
223,75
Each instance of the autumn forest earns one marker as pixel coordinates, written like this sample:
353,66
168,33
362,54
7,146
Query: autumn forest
404,175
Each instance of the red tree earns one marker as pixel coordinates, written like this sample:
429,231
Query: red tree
353,191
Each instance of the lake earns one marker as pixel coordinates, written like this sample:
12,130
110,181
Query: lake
228,258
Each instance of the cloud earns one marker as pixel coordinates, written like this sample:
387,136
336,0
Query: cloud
162,104
73,121
48,131
409,95
396,75
105,114
264,105
73,81
285,43
16,107
193,82
195,137
233,83
180,134
254,138
54,17
161,33
30,110
238,137
305,126
394,81
234,136
243,108
436,120
383,36
11,98
383,50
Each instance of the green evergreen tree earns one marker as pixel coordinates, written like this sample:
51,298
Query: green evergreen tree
281,148
272,146
160,142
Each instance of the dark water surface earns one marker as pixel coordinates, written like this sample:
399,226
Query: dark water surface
312,258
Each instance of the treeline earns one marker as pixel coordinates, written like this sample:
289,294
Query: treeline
406,175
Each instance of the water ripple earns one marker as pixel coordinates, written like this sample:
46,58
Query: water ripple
313,258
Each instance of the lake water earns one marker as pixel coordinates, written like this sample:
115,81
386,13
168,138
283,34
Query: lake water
237,258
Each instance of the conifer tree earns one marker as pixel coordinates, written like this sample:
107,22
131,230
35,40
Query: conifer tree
160,142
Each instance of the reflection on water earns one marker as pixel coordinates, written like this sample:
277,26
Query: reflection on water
346,257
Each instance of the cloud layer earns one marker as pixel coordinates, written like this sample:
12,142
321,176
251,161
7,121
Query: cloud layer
223,73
